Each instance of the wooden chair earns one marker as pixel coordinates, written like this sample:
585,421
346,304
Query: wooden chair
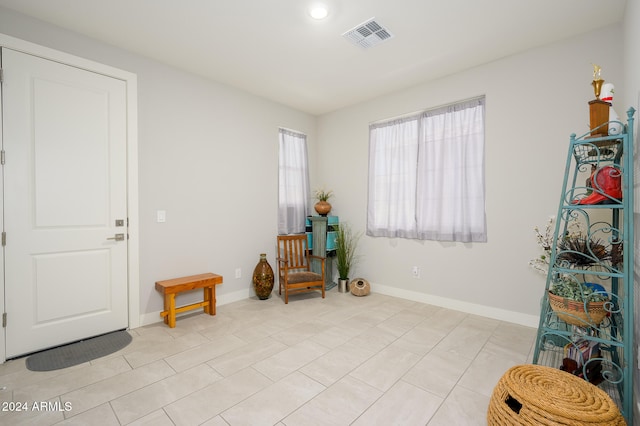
294,267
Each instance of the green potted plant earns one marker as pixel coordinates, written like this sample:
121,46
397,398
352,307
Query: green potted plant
346,245
578,303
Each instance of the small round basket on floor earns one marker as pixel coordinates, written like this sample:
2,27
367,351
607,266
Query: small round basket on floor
537,395
359,287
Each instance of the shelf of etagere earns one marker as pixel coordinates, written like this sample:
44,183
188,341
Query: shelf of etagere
605,371
588,248
575,192
591,153
588,149
608,332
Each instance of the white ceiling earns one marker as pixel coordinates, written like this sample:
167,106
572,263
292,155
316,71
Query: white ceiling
274,49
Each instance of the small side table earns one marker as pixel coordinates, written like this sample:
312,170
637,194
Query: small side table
169,289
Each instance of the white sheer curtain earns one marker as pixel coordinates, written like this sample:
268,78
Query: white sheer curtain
426,175
293,182
450,190
393,155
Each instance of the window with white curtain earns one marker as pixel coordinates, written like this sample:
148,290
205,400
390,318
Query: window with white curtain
293,182
426,175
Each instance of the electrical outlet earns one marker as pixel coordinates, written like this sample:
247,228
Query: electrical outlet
238,273
415,272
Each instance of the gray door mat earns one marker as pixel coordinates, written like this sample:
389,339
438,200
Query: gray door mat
78,352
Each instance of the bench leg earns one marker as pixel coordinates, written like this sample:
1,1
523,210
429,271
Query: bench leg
171,311
212,299
165,313
207,300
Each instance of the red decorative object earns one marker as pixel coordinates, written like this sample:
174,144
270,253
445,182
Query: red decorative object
606,184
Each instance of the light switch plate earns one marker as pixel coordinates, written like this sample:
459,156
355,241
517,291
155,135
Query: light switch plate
161,216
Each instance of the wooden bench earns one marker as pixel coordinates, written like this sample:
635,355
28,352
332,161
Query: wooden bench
169,289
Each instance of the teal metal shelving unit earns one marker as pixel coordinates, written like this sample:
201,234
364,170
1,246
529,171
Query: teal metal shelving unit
609,228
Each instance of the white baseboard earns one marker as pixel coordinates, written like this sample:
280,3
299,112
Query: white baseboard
223,299
458,305
470,308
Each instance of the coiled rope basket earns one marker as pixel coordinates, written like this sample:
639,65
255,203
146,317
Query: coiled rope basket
537,395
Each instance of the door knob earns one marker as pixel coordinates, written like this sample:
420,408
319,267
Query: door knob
117,237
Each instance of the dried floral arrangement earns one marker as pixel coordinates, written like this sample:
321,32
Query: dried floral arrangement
545,242
575,247
579,250
322,194
616,253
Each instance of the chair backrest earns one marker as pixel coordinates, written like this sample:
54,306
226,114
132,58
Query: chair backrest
293,248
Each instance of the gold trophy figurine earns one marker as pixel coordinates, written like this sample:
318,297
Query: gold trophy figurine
598,109
597,81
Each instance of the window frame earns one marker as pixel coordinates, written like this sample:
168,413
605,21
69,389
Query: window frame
403,200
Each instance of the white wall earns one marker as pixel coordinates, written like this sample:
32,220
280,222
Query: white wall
208,155
534,101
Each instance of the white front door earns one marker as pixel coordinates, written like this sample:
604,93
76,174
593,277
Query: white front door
65,140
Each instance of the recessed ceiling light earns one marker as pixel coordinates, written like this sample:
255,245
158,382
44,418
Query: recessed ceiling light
318,12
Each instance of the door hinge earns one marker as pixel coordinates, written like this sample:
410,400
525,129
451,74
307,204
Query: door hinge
4,238
4,319
2,157
1,75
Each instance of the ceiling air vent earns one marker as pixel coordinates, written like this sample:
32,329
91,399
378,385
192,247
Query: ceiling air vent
368,34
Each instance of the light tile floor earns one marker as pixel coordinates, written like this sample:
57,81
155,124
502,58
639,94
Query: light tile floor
344,360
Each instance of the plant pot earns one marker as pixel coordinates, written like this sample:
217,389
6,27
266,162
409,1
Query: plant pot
323,208
343,285
573,312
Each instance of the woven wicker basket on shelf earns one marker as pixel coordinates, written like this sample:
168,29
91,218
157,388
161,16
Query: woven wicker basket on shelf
536,395
572,312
